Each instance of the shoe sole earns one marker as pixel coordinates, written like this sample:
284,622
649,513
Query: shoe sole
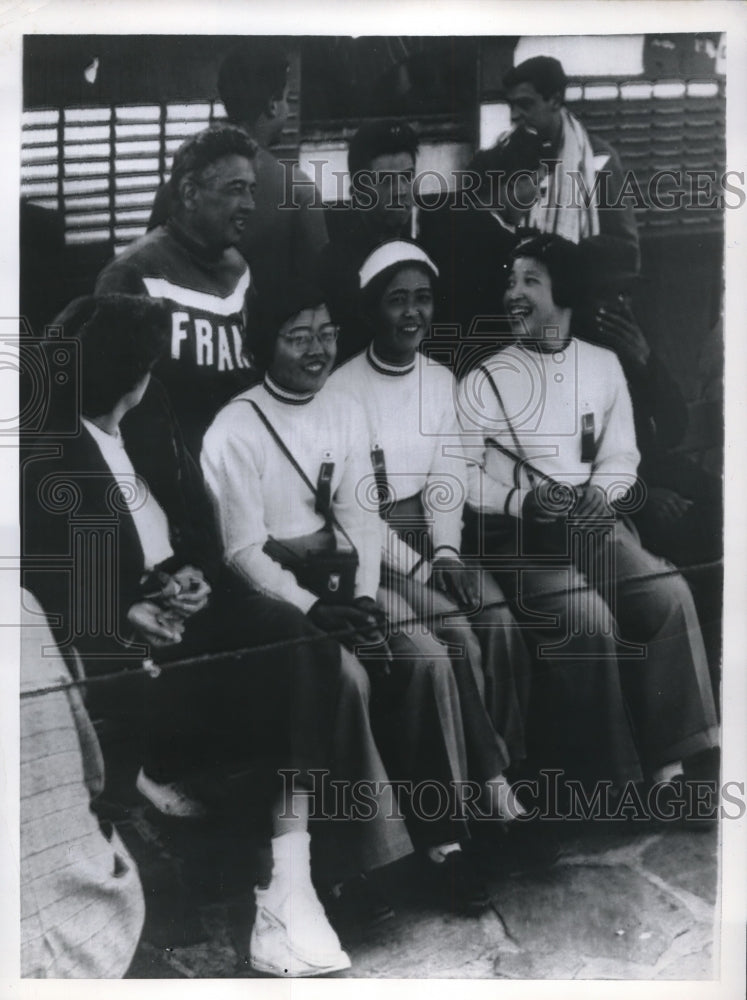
168,813
303,971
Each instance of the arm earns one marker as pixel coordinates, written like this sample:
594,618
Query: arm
310,226
616,215
117,277
617,457
491,476
362,523
232,464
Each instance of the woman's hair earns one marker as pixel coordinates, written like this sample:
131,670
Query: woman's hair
563,263
270,309
121,338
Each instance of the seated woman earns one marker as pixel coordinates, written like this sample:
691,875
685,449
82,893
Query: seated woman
119,548
285,463
620,661
420,478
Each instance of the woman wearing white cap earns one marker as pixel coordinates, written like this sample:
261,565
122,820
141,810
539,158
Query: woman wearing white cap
418,487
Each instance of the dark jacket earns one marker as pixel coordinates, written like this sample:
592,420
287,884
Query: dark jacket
81,554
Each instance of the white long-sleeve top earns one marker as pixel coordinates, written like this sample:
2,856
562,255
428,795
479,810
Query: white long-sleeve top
257,492
411,416
546,396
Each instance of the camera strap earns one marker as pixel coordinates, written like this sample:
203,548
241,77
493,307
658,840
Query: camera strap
328,514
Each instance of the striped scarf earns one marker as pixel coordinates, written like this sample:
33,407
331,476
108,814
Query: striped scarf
561,207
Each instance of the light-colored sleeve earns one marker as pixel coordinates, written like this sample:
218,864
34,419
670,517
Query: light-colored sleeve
232,463
490,475
353,505
617,457
445,490
396,554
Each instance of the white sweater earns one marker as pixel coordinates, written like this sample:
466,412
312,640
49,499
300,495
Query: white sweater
411,415
546,396
257,492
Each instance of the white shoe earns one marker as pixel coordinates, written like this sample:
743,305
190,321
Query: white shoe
292,936
169,799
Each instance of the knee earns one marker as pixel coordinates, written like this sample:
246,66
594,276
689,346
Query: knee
659,602
352,677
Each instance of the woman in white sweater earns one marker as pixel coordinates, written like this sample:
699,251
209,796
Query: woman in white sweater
285,462
419,487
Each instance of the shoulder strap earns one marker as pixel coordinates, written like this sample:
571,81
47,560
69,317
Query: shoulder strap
330,515
520,451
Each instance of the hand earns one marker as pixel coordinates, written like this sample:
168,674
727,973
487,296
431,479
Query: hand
666,504
548,503
154,625
619,331
455,579
192,594
365,626
592,502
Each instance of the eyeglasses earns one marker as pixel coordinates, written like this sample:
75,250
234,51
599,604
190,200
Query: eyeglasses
301,337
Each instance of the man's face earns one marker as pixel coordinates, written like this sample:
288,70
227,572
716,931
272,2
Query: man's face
530,306
391,187
534,113
222,201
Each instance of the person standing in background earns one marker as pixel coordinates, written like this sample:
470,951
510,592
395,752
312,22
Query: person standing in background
287,228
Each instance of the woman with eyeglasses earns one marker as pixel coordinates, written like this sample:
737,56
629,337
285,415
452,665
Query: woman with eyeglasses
419,489
285,462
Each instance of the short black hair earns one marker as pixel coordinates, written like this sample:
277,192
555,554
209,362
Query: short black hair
563,263
380,138
253,73
273,306
207,147
121,337
545,74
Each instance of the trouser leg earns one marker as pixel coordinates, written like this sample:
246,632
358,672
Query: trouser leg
274,706
668,690
487,754
417,722
507,666
578,720
365,828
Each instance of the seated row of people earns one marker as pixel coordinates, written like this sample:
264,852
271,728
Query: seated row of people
312,482
385,653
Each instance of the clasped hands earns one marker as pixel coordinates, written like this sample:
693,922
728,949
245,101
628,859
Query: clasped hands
549,503
159,619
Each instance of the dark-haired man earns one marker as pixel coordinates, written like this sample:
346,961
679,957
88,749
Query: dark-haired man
577,160
287,229
192,262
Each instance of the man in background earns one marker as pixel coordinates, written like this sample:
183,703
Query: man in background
287,228
576,159
381,164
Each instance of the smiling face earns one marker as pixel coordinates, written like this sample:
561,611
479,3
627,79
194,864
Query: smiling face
534,113
220,201
529,304
404,315
305,350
